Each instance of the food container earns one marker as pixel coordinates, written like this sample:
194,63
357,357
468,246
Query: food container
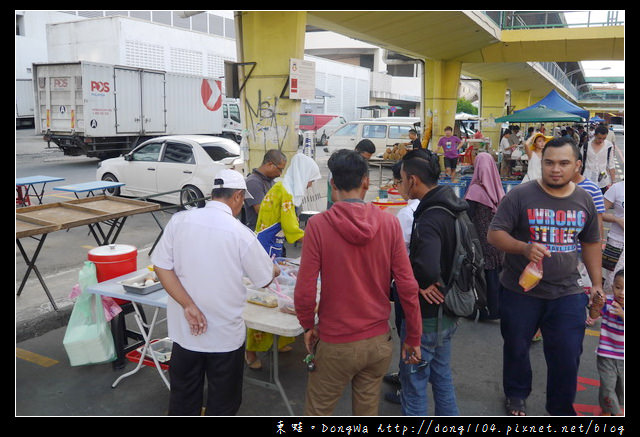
261,297
161,348
286,305
142,284
392,206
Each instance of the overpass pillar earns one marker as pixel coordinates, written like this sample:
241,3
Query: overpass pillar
269,39
493,106
520,99
441,84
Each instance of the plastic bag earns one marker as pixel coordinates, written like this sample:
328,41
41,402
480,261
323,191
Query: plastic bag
111,307
88,338
531,275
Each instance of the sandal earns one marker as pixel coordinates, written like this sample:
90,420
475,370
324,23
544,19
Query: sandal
286,349
515,407
253,365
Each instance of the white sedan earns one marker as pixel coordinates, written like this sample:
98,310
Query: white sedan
176,169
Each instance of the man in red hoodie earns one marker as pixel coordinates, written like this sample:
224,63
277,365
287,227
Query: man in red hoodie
357,249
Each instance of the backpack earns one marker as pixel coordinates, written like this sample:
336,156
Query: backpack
466,290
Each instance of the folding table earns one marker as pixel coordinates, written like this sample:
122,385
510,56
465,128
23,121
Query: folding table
157,300
89,187
28,183
265,319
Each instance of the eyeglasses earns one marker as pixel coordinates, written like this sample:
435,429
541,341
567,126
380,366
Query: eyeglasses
280,169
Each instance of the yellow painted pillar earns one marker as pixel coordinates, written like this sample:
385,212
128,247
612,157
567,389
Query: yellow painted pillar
270,39
441,84
493,97
520,99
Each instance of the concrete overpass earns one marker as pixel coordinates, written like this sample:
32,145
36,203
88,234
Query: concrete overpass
451,43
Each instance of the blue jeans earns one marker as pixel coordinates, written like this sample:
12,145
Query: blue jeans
561,322
415,378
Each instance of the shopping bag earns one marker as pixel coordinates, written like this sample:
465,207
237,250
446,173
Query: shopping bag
272,239
88,338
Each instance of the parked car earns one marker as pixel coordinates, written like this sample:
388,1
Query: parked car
177,169
617,128
322,124
383,132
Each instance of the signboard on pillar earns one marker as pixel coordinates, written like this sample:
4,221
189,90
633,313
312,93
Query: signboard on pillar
302,79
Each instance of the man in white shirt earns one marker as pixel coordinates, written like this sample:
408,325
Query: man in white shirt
598,161
201,260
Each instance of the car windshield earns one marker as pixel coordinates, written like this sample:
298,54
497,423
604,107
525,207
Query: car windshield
222,150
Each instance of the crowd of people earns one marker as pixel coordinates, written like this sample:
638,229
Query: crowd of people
554,218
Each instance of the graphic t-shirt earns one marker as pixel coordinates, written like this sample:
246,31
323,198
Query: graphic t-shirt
530,214
450,146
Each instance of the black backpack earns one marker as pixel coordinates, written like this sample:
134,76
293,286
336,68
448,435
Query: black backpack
466,290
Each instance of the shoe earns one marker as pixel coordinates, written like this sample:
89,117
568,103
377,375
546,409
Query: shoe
286,349
392,378
393,397
515,407
253,365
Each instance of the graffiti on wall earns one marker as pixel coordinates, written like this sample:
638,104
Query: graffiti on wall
268,123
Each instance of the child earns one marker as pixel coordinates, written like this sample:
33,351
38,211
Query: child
611,347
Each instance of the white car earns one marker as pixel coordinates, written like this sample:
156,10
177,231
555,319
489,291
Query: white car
176,169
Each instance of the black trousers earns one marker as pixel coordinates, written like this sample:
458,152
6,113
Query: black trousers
187,372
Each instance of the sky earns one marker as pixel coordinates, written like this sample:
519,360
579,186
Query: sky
597,68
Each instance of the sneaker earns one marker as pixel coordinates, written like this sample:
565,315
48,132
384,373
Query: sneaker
393,397
392,378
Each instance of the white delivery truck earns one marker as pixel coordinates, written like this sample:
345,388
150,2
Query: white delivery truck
24,102
103,110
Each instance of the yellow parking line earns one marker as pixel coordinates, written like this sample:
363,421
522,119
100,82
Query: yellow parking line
32,357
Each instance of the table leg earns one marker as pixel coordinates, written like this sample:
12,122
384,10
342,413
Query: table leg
147,341
31,265
275,374
103,240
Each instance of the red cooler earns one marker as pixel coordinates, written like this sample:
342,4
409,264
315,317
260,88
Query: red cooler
114,260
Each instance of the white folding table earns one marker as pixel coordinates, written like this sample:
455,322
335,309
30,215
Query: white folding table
261,318
157,300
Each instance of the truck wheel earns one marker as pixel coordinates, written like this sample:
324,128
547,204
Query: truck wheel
191,197
111,191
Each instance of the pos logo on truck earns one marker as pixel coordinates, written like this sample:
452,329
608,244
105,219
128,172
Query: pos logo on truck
101,87
211,95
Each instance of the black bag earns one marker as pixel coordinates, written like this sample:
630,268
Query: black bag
465,292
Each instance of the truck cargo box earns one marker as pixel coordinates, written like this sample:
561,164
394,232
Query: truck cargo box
101,109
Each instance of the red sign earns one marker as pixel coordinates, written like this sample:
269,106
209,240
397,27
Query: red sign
211,95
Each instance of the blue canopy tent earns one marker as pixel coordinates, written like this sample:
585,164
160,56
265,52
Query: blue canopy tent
554,100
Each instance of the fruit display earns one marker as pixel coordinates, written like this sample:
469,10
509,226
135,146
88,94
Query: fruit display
395,153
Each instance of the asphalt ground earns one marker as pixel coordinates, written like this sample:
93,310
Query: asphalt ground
47,386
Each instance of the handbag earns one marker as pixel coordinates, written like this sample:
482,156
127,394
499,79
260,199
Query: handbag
88,338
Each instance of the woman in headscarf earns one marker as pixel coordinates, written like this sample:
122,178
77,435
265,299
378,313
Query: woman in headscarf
483,196
279,208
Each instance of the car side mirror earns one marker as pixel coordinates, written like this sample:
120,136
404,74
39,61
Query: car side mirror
128,157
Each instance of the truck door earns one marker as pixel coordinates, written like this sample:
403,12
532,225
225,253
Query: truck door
128,102
153,102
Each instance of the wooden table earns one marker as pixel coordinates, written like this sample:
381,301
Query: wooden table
38,221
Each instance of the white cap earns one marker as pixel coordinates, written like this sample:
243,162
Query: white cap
228,178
